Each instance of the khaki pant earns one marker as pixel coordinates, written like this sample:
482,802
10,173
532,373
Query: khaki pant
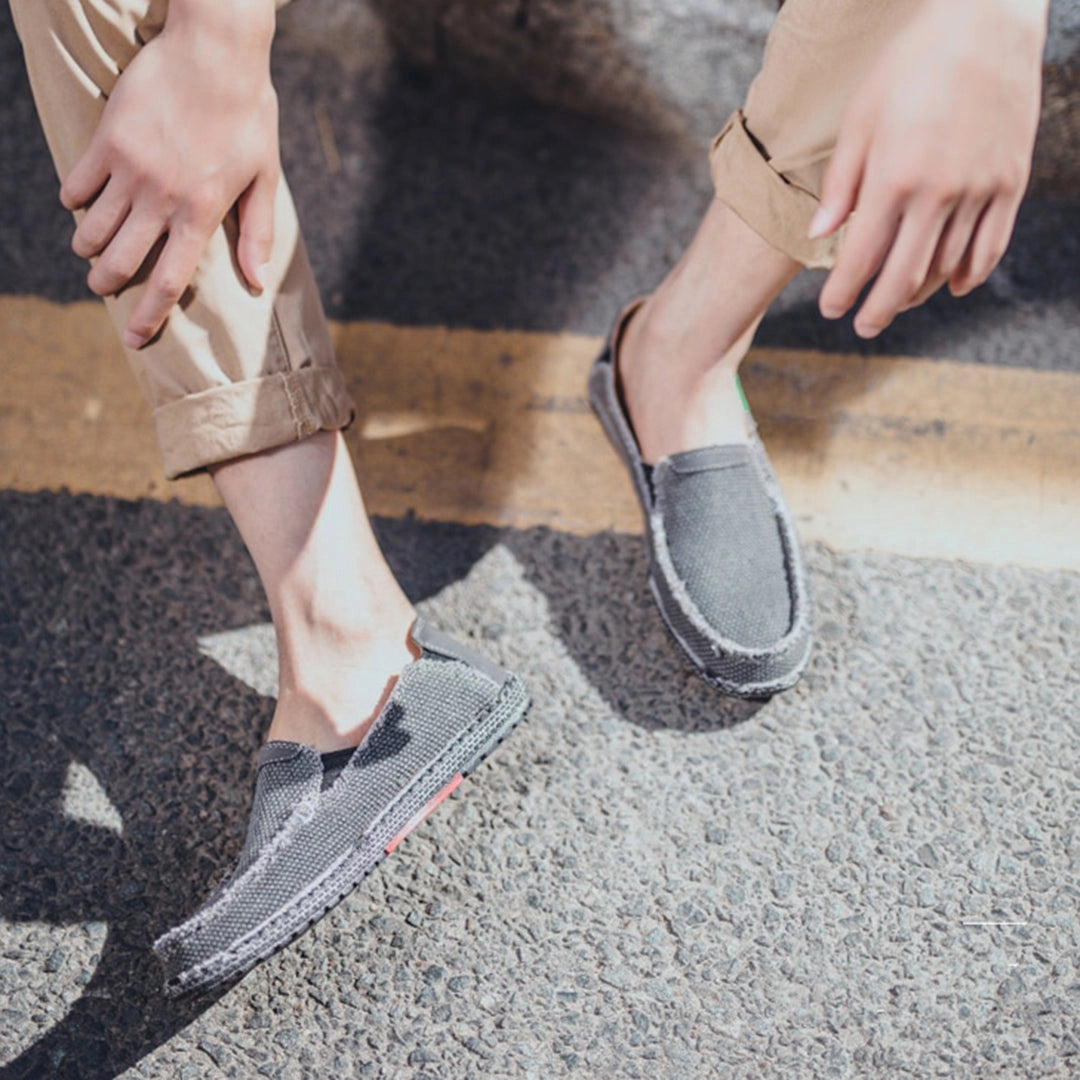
769,160
231,373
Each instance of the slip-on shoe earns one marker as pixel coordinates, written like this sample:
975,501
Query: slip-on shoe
725,565
307,848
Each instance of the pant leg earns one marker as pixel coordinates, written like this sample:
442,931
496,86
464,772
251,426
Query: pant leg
769,160
230,373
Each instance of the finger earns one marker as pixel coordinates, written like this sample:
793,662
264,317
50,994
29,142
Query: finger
988,245
905,270
171,275
102,221
958,237
930,286
121,260
950,250
868,239
843,177
87,178
256,241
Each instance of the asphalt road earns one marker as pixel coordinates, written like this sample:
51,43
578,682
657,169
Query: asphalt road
874,875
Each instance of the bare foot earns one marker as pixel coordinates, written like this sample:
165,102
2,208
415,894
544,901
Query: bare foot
677,406
338,682
679,357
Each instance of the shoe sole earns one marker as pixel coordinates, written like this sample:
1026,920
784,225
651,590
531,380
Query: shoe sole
414,803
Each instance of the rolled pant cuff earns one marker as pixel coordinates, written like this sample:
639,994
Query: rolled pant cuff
243,418
775,208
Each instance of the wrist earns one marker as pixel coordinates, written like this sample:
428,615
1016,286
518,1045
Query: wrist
236,22
1020,15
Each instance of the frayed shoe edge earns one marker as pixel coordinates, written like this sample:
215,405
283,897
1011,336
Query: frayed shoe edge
185,931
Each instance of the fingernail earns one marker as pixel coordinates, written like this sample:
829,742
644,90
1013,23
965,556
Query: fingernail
867,331
819,224
262,274
133,340
831,311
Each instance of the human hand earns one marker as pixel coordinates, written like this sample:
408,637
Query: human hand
933,157
190,130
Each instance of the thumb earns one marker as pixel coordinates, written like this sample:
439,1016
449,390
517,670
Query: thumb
843,177
256,244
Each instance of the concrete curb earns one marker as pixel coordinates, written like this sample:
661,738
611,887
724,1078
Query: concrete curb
677,67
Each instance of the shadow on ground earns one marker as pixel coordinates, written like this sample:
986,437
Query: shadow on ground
101,605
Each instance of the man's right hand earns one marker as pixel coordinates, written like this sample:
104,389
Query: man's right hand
933,157
190,130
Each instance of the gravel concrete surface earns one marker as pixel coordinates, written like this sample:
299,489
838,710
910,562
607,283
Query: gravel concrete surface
671,66
875,874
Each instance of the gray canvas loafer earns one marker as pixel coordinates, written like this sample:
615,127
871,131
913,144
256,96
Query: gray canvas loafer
307,848
725,566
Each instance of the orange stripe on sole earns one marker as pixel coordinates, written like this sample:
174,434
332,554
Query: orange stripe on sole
423,812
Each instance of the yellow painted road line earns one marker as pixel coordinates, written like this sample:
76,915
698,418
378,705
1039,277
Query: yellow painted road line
915,457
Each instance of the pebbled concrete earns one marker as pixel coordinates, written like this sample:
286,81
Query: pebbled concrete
873,875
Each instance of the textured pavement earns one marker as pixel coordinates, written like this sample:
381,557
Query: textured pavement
875,875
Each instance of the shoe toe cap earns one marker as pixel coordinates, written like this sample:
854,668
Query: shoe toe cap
725,551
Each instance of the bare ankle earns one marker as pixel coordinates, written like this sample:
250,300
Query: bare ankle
329,697
328,722
335,672
680,392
